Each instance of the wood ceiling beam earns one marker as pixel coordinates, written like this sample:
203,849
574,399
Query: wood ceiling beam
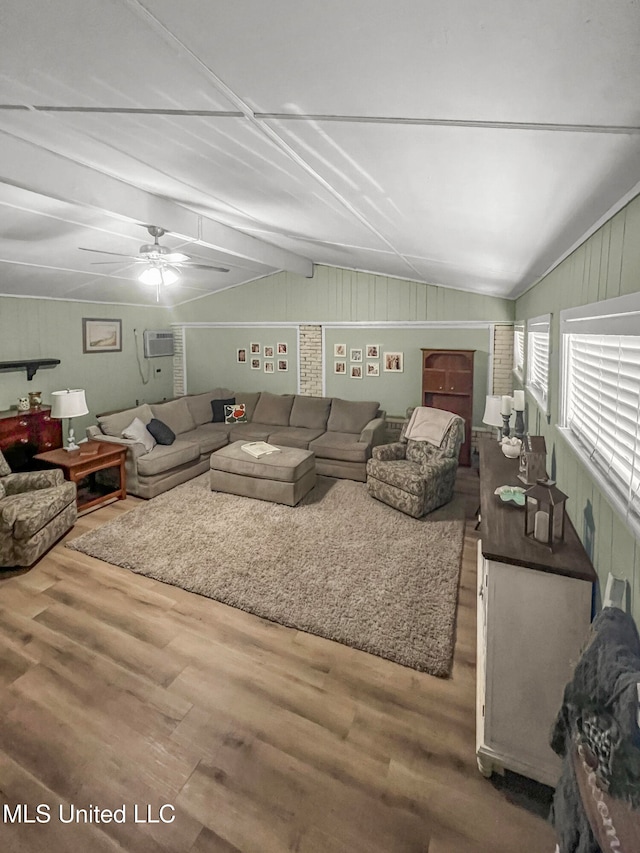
28,166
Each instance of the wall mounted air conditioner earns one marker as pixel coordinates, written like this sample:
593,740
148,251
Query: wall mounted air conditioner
157,343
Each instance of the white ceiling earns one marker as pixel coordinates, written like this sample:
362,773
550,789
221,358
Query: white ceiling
456,142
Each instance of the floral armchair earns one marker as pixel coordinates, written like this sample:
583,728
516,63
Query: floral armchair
36,509
416,477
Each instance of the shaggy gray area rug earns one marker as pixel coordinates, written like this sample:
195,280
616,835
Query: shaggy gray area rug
341,564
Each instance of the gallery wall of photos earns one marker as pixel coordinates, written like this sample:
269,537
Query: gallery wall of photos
369,360
268,358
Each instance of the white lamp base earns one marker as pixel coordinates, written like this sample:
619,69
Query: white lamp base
71,441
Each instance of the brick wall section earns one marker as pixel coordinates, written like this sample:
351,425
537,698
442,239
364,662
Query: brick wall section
503,360
311,361
178,361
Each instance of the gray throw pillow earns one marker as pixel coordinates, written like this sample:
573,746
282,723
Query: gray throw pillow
137,431
161,432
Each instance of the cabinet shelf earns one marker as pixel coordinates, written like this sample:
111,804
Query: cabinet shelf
31,365
447,383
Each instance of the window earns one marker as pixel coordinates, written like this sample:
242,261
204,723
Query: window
601,395
518,350
538,360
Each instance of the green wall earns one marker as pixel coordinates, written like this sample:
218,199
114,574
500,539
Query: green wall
605,266
47,328
396,391
211,357
337,295
340,295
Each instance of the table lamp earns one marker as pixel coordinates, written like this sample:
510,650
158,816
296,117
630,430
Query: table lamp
69,404
492,412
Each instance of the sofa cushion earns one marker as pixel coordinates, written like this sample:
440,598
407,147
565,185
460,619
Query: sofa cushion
163,458
208,439
342,446
272,409
113,424
250,432
200,407
137,431
162,433
217,408
310,412
294,437
400,473
175,414
250,400
351,416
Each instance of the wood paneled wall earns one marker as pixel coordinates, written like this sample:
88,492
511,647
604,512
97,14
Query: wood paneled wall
605,266
340,295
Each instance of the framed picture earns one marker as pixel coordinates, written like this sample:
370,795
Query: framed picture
255,349
373,350
283,349
268,367
268,352
373,368
101,335
394,362
339,350
242,356
256,364
340,367
356,371
283,364
355,355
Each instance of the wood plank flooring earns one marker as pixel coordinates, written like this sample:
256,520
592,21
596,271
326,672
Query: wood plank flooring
117,690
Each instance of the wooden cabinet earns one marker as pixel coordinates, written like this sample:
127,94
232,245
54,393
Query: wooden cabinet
447,383
23,434
534,611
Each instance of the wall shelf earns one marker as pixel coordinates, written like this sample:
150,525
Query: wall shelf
31,365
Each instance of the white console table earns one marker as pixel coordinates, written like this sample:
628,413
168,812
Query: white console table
534,611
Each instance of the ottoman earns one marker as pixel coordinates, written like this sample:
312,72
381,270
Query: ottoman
284,477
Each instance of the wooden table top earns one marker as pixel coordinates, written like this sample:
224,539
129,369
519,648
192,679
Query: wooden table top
502,528
89,452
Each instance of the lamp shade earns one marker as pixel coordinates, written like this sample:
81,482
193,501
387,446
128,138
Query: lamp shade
68,404
492,410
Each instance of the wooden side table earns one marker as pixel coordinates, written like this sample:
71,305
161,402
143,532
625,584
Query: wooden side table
77,465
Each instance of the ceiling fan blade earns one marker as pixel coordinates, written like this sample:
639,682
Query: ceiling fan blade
189,266
102,252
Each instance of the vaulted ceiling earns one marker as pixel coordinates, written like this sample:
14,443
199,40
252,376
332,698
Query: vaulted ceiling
456,142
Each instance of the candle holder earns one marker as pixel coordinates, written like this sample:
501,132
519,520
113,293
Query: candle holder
545,513
505,426
519,424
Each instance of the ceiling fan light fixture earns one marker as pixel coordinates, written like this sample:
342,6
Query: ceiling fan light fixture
155,276
175,257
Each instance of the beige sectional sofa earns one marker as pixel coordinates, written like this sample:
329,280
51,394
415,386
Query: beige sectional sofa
341,434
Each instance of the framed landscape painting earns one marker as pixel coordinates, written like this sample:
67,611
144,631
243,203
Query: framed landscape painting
101,335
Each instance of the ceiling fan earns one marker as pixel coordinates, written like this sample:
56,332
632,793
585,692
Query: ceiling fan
162,267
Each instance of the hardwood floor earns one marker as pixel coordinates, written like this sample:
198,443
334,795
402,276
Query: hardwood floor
117,690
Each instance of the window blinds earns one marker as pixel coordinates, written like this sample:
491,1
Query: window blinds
518,349
538,360
602,409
